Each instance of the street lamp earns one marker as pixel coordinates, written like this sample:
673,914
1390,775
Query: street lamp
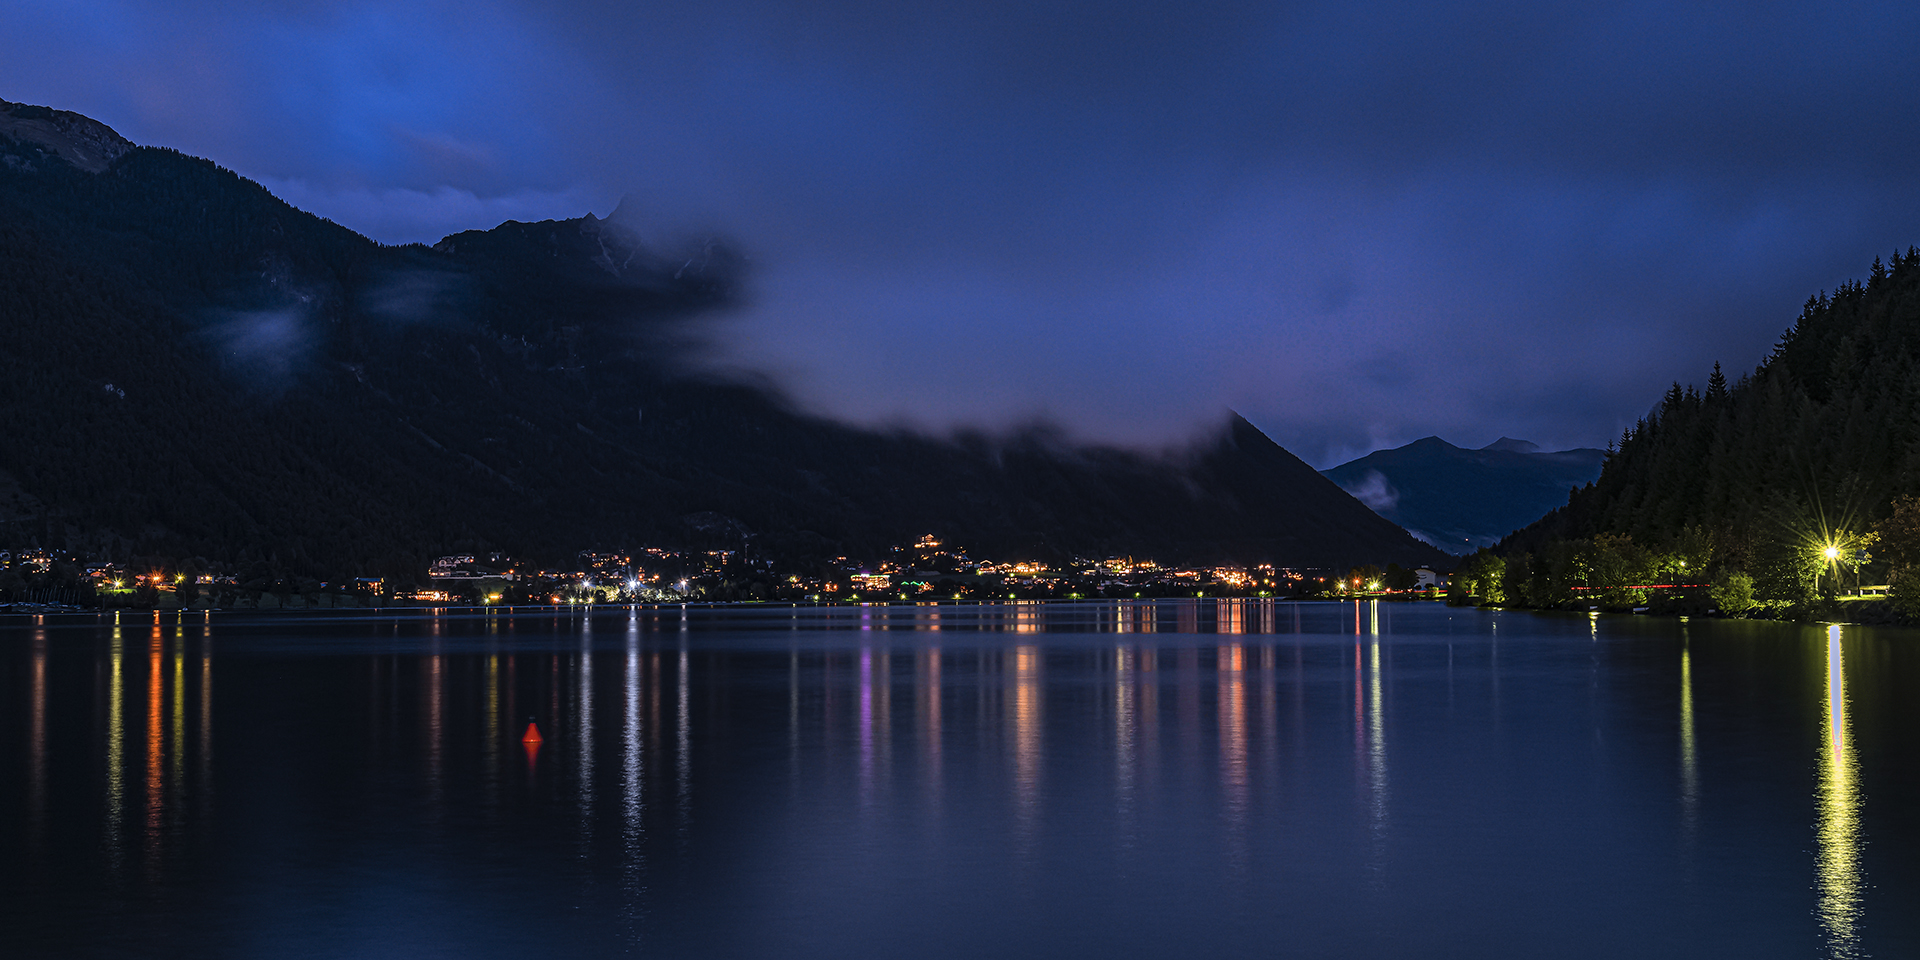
1831,554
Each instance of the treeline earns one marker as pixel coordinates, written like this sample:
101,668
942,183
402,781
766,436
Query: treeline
1777,490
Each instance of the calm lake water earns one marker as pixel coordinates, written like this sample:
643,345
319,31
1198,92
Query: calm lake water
1170,779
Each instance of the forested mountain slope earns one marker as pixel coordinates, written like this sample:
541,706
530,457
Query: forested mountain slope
189,366
1759,477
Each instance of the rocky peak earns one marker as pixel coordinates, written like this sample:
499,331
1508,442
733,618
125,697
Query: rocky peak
82,141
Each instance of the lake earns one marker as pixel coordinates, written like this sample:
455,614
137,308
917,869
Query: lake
1231,778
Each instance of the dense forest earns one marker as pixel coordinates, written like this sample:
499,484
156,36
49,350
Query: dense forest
192,368
1789,485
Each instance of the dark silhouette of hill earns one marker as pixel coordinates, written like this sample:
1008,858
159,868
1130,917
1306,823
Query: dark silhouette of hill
1754,480
194,367
1462,500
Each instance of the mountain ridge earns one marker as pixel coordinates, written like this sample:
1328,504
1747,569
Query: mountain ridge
80,140
200,368
1460,499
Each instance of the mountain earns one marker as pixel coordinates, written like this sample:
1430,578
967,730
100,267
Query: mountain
1756,479
193,367
1462,500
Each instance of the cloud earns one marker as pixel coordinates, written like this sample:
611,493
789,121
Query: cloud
262,348
1376,492
1357,223
416,296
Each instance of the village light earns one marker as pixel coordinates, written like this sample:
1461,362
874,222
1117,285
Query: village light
1832,552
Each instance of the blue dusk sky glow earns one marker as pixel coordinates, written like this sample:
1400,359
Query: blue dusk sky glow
1357,223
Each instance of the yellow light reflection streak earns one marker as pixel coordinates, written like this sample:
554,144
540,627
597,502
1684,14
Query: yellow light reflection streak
1689,762
206,717
1232,717
116,736
177,709
1026,738
493,727
155,677
435,732
1840,879
37,741
1026,617
1229,617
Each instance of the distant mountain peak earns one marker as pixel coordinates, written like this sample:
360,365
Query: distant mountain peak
82,141
1459,500
625,212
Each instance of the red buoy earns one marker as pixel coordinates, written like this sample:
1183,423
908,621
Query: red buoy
533,733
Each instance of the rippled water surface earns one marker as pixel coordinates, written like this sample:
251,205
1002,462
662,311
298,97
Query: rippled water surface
1172,779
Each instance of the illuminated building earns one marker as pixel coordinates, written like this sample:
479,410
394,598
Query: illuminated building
468,568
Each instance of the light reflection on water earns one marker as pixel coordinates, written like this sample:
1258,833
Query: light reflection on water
1689,761
633,851
1376,762
869,773
1025,720
929,691
1841,881
1235,788
583,734
37,745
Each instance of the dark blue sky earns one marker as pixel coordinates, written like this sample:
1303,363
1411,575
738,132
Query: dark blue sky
1358,223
